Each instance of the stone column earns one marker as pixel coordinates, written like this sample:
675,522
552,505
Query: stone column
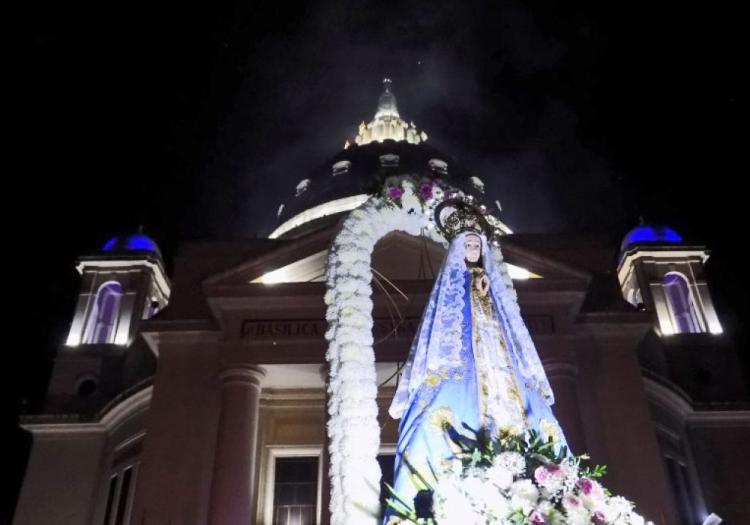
233,484
562,377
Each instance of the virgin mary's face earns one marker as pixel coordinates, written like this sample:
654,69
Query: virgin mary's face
472,248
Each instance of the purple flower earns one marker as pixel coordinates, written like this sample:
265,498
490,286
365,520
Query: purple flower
425,189
537,518
394,192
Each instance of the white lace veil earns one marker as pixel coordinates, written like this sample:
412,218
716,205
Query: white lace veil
439,338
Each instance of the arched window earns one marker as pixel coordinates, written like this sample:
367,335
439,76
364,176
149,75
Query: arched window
101,326
681,304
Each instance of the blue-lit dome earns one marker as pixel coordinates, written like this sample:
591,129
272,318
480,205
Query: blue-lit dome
650,235
137,242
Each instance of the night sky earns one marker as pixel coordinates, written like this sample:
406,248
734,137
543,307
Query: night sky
198,121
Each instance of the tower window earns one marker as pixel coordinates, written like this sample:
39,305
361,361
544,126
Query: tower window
341,167
681,305
102,322
389,160
438,167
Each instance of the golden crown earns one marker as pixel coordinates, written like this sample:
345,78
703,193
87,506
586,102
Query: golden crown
454,216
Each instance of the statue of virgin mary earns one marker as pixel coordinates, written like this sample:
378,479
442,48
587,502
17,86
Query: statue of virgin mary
472,361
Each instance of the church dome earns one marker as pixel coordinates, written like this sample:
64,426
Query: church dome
649,234
137,242
385,147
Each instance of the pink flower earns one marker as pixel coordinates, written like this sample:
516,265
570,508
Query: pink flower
394,192
571,502
537,518
591,489
598,518
545,474
541,474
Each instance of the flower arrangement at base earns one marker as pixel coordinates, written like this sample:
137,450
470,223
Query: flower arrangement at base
510,479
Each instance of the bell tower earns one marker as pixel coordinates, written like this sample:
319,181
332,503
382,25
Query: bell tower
659,273
121,285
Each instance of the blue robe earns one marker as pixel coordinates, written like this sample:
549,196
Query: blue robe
459,396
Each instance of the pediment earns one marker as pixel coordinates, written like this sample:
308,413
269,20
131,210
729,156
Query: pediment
292,252
396,257
543,265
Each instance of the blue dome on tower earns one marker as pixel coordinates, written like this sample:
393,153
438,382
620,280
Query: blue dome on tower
137,242
648,234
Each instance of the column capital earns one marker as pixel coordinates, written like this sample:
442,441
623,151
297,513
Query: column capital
242,374
560,369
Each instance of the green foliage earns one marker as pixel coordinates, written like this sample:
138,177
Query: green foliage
597,471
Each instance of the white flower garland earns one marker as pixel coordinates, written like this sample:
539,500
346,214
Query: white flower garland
352,426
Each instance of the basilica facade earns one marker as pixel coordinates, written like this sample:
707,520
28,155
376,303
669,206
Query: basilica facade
200,397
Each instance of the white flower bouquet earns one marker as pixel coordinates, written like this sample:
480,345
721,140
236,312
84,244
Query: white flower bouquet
511,480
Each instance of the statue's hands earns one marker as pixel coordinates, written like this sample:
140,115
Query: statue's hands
482,285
